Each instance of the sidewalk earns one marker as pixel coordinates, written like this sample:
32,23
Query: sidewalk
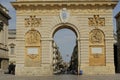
61,77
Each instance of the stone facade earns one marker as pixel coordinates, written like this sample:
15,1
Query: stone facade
91,21
4,17
11,45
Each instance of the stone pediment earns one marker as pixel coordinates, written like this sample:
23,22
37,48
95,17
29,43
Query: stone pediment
60,3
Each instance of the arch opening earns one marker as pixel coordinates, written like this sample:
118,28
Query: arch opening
65,27
65,50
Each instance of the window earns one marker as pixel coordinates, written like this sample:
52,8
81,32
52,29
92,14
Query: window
12,50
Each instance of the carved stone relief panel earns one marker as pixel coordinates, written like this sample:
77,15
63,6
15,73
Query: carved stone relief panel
32,48
97,48
32,21
96,37
32,38
96,21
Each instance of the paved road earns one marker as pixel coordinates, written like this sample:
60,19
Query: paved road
61,77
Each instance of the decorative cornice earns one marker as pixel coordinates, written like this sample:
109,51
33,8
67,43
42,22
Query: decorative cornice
4,12
19,4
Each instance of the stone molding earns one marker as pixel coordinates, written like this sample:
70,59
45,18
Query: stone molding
38,4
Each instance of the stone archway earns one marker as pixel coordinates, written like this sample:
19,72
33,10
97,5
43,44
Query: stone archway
65,25
49,16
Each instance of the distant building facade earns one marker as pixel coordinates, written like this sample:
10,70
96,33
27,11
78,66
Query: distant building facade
74,59
12,45
57,59
4,17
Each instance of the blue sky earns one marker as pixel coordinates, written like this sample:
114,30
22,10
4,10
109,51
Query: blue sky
115,11
64,38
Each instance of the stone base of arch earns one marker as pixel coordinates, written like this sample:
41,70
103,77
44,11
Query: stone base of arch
34,71
88,70
47,70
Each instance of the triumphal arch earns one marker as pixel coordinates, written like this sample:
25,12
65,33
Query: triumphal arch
38,20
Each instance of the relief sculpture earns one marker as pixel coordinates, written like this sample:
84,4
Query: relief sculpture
32,37
96,21
96,36
32,21
97,48
32,43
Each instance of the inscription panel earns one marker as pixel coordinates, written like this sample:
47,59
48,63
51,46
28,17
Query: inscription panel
97,50
32,51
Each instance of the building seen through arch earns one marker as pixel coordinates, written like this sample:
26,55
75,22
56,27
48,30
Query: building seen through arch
73,65
65,40
57,59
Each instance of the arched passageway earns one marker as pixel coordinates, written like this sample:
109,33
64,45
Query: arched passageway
65,50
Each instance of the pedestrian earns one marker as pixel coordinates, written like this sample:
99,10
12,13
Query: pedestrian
11,69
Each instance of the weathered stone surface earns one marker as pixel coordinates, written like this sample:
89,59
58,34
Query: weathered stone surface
76,19
4,17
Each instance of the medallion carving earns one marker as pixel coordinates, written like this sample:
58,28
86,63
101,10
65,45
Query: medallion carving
32,21
32,37
96,21
96,36
64,15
